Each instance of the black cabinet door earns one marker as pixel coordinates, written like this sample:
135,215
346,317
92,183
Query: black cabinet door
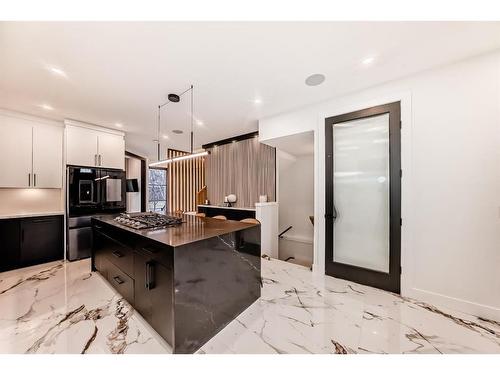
41,240
142,296
9,244
154,294
162,301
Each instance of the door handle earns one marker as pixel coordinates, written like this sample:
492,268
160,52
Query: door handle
118,280
117,254
150,275
334,213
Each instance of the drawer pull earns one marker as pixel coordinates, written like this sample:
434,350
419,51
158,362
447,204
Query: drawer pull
118,280
117,254
150,249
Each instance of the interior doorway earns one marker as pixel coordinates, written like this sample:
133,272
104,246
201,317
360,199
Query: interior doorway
363,196
295,196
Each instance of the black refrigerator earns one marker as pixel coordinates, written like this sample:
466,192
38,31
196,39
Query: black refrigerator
90,192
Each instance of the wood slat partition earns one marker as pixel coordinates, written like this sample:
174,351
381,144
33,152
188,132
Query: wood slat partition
246,168
185,179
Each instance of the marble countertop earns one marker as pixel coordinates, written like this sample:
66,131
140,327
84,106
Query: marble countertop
24,214
227,208
192,229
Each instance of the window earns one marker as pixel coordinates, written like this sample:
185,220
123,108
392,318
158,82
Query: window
158,190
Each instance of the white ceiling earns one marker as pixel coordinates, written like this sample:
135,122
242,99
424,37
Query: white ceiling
120,72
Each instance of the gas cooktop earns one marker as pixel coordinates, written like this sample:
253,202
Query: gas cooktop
148,220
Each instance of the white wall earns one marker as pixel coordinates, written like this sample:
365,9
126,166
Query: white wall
296,204
133,170
451,178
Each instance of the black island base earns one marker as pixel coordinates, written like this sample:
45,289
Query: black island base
188,281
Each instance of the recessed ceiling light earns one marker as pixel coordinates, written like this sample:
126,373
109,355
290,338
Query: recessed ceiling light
368,60
46,107
315,79
57,71
165,136
119,125
177,131
257,101
199,123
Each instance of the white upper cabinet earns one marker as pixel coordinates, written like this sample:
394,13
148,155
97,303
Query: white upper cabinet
81,146
16,148
47,156
111,151
91,147
32,153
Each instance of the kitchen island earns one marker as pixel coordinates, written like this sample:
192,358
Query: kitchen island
189,280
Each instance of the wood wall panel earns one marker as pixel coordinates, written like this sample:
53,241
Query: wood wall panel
246,168
185,179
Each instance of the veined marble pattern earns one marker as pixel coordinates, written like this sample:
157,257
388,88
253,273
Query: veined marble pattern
300,312
63,308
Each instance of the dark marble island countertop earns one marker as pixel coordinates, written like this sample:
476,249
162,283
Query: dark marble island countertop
192,229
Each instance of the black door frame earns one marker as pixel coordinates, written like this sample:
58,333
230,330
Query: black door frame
388,281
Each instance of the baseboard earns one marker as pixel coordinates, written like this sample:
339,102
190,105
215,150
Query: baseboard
468,307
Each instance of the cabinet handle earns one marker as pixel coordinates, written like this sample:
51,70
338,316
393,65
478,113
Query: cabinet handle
34,179
150,275
29,179
118,280
48,220
150,250
100,159
117,254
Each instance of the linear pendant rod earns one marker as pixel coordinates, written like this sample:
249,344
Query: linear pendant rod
184,157
192,134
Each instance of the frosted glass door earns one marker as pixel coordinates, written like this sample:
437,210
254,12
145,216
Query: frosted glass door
361,193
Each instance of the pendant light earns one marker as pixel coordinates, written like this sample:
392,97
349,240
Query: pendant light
174,98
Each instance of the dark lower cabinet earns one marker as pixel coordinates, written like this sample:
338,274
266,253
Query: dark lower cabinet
141,272
154,294
41,240
10,244
29,241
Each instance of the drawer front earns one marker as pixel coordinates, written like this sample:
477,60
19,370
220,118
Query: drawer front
117,253
123,283
161,254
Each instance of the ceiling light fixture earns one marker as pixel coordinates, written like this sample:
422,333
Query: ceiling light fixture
46,107
119,125
165,136
315,79
368,60
257,101
174,98
57,71
178,158
199,123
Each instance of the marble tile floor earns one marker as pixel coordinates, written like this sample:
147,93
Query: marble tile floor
64,308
